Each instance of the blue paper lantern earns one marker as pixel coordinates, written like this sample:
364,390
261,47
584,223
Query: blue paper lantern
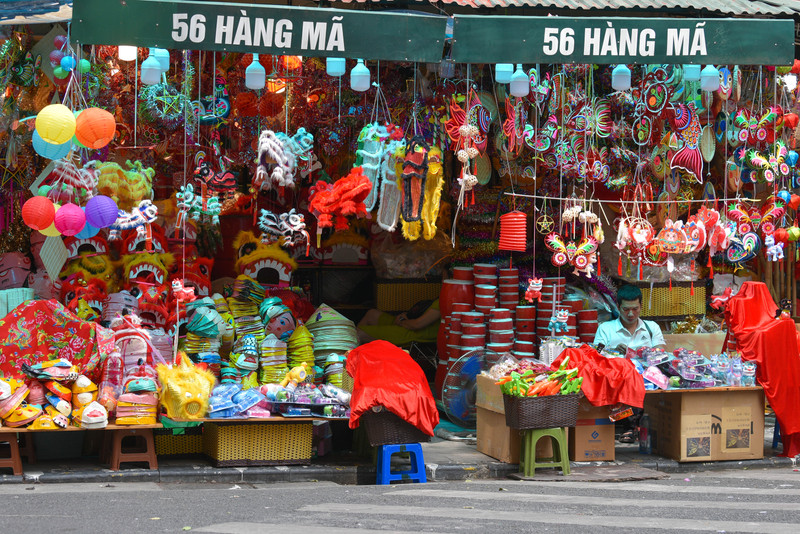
49,150
67,63
88,231
791,158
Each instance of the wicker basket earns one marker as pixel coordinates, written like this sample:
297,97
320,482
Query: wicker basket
170,444
661,302
386,428
256,444
551,411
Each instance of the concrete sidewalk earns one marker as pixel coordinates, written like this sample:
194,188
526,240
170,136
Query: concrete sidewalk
448,456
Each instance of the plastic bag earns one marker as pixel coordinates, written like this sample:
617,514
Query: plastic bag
396,258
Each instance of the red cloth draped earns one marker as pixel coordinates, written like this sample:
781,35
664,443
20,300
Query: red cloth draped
773,345
385,375
605,380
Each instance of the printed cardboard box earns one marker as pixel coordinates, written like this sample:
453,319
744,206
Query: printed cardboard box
592,438
707,425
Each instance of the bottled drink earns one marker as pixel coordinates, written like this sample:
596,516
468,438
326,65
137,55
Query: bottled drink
645,443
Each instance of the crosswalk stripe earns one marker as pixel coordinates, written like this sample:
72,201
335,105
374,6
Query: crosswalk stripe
545,517
591,501
638,487
255,528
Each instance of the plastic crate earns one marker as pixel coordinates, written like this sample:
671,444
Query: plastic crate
253,444
169,444
400,295
661,302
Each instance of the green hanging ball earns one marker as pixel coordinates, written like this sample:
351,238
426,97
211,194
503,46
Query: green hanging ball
43,190
60,73
77,143
84,66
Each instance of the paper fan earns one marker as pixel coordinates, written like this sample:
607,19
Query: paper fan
708,143
483,168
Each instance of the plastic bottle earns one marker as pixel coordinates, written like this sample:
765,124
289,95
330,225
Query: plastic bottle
645,443
111,382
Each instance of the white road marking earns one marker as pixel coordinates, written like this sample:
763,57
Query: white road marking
638,487
254,528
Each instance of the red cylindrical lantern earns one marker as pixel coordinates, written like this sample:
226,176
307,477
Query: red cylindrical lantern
38,212
513,231
95,128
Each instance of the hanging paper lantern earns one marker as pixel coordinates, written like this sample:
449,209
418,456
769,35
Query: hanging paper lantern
513,231
792,158
43,190
101,211
621,78
70,219
62,82
49,150
292,62
55,58
127,53
335,66
55,124
95,127
781,235
67,63
38,212
794,202
503,72
162,56
88,231
60,73
51,230
84,66
359,77
60,41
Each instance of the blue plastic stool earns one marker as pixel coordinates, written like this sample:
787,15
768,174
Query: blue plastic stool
415,474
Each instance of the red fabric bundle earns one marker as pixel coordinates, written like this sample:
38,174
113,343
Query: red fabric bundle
385,375
773,345
605,380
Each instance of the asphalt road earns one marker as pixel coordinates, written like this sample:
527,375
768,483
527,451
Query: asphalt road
766,500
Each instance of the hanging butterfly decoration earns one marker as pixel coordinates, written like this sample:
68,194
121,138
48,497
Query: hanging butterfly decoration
580,255
591,118
751,219
684,121
770,165
757,130
515,124
743,248
654,95
593,166
544,138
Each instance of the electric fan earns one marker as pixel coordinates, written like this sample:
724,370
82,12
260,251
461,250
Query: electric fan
459,389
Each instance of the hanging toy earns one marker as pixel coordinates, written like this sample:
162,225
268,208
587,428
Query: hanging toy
774,250
515,124
580,255
216,109
289,229
751,219
558,322
196,207
755,130
684,121
140,219
534,290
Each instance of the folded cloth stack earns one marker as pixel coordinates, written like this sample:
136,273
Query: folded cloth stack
137,409
273,360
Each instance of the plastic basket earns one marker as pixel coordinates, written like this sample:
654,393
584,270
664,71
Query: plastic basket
551,411
386,428
253,444
400,295
170,444
662,302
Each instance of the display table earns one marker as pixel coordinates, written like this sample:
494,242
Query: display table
712,424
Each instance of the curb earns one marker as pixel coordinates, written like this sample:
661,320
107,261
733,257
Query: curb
349,474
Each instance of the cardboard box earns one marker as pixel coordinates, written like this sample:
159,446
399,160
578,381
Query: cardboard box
707,425
489,395
592,438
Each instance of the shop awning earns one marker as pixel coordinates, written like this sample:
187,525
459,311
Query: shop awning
259,28
34,11
603,40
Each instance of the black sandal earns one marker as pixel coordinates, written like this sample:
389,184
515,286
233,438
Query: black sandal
627,437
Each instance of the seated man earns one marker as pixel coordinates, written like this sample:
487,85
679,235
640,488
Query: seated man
420,324
629,331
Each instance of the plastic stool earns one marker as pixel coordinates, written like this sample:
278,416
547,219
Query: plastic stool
528,463
415,474
14,461
145,451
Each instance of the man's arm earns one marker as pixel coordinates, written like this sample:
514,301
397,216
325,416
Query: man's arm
601,336
658,337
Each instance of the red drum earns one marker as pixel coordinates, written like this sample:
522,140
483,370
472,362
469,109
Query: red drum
501,336
499,348
485,279
471,318
473,329
473,342
499,313
453,291
509,272
523,346
462,273
461,307
486,268
485,290
455,321
501,324
587,315
525,336
526,312
525,355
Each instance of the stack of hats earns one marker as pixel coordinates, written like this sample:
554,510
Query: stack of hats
245,353
225,312
333,333
212,360
13,410
91,416
334,367
301,347
272,365
137,409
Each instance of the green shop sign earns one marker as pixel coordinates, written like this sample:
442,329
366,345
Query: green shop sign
497,39
241,27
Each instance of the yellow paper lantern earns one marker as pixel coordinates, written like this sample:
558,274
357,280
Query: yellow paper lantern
55,124
51,231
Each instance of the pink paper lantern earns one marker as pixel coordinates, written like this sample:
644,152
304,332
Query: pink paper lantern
101,211
70,219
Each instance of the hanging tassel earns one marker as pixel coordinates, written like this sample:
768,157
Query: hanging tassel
691,290
619,266
640,271
473,197
598,266
670,283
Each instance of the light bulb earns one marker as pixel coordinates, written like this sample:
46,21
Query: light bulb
255,76
127,53
503,72
709,78
151,71
691,73
790,80
335,66
162,56
621,78
520,83
359,77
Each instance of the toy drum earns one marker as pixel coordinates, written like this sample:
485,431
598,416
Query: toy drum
471,318
462,291
462,273
499,313
526,312
460,307
485,269
525,336
499,348
473,329
501,336
501,324
485,290
472,342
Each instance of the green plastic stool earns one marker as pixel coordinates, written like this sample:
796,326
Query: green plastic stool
528,462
